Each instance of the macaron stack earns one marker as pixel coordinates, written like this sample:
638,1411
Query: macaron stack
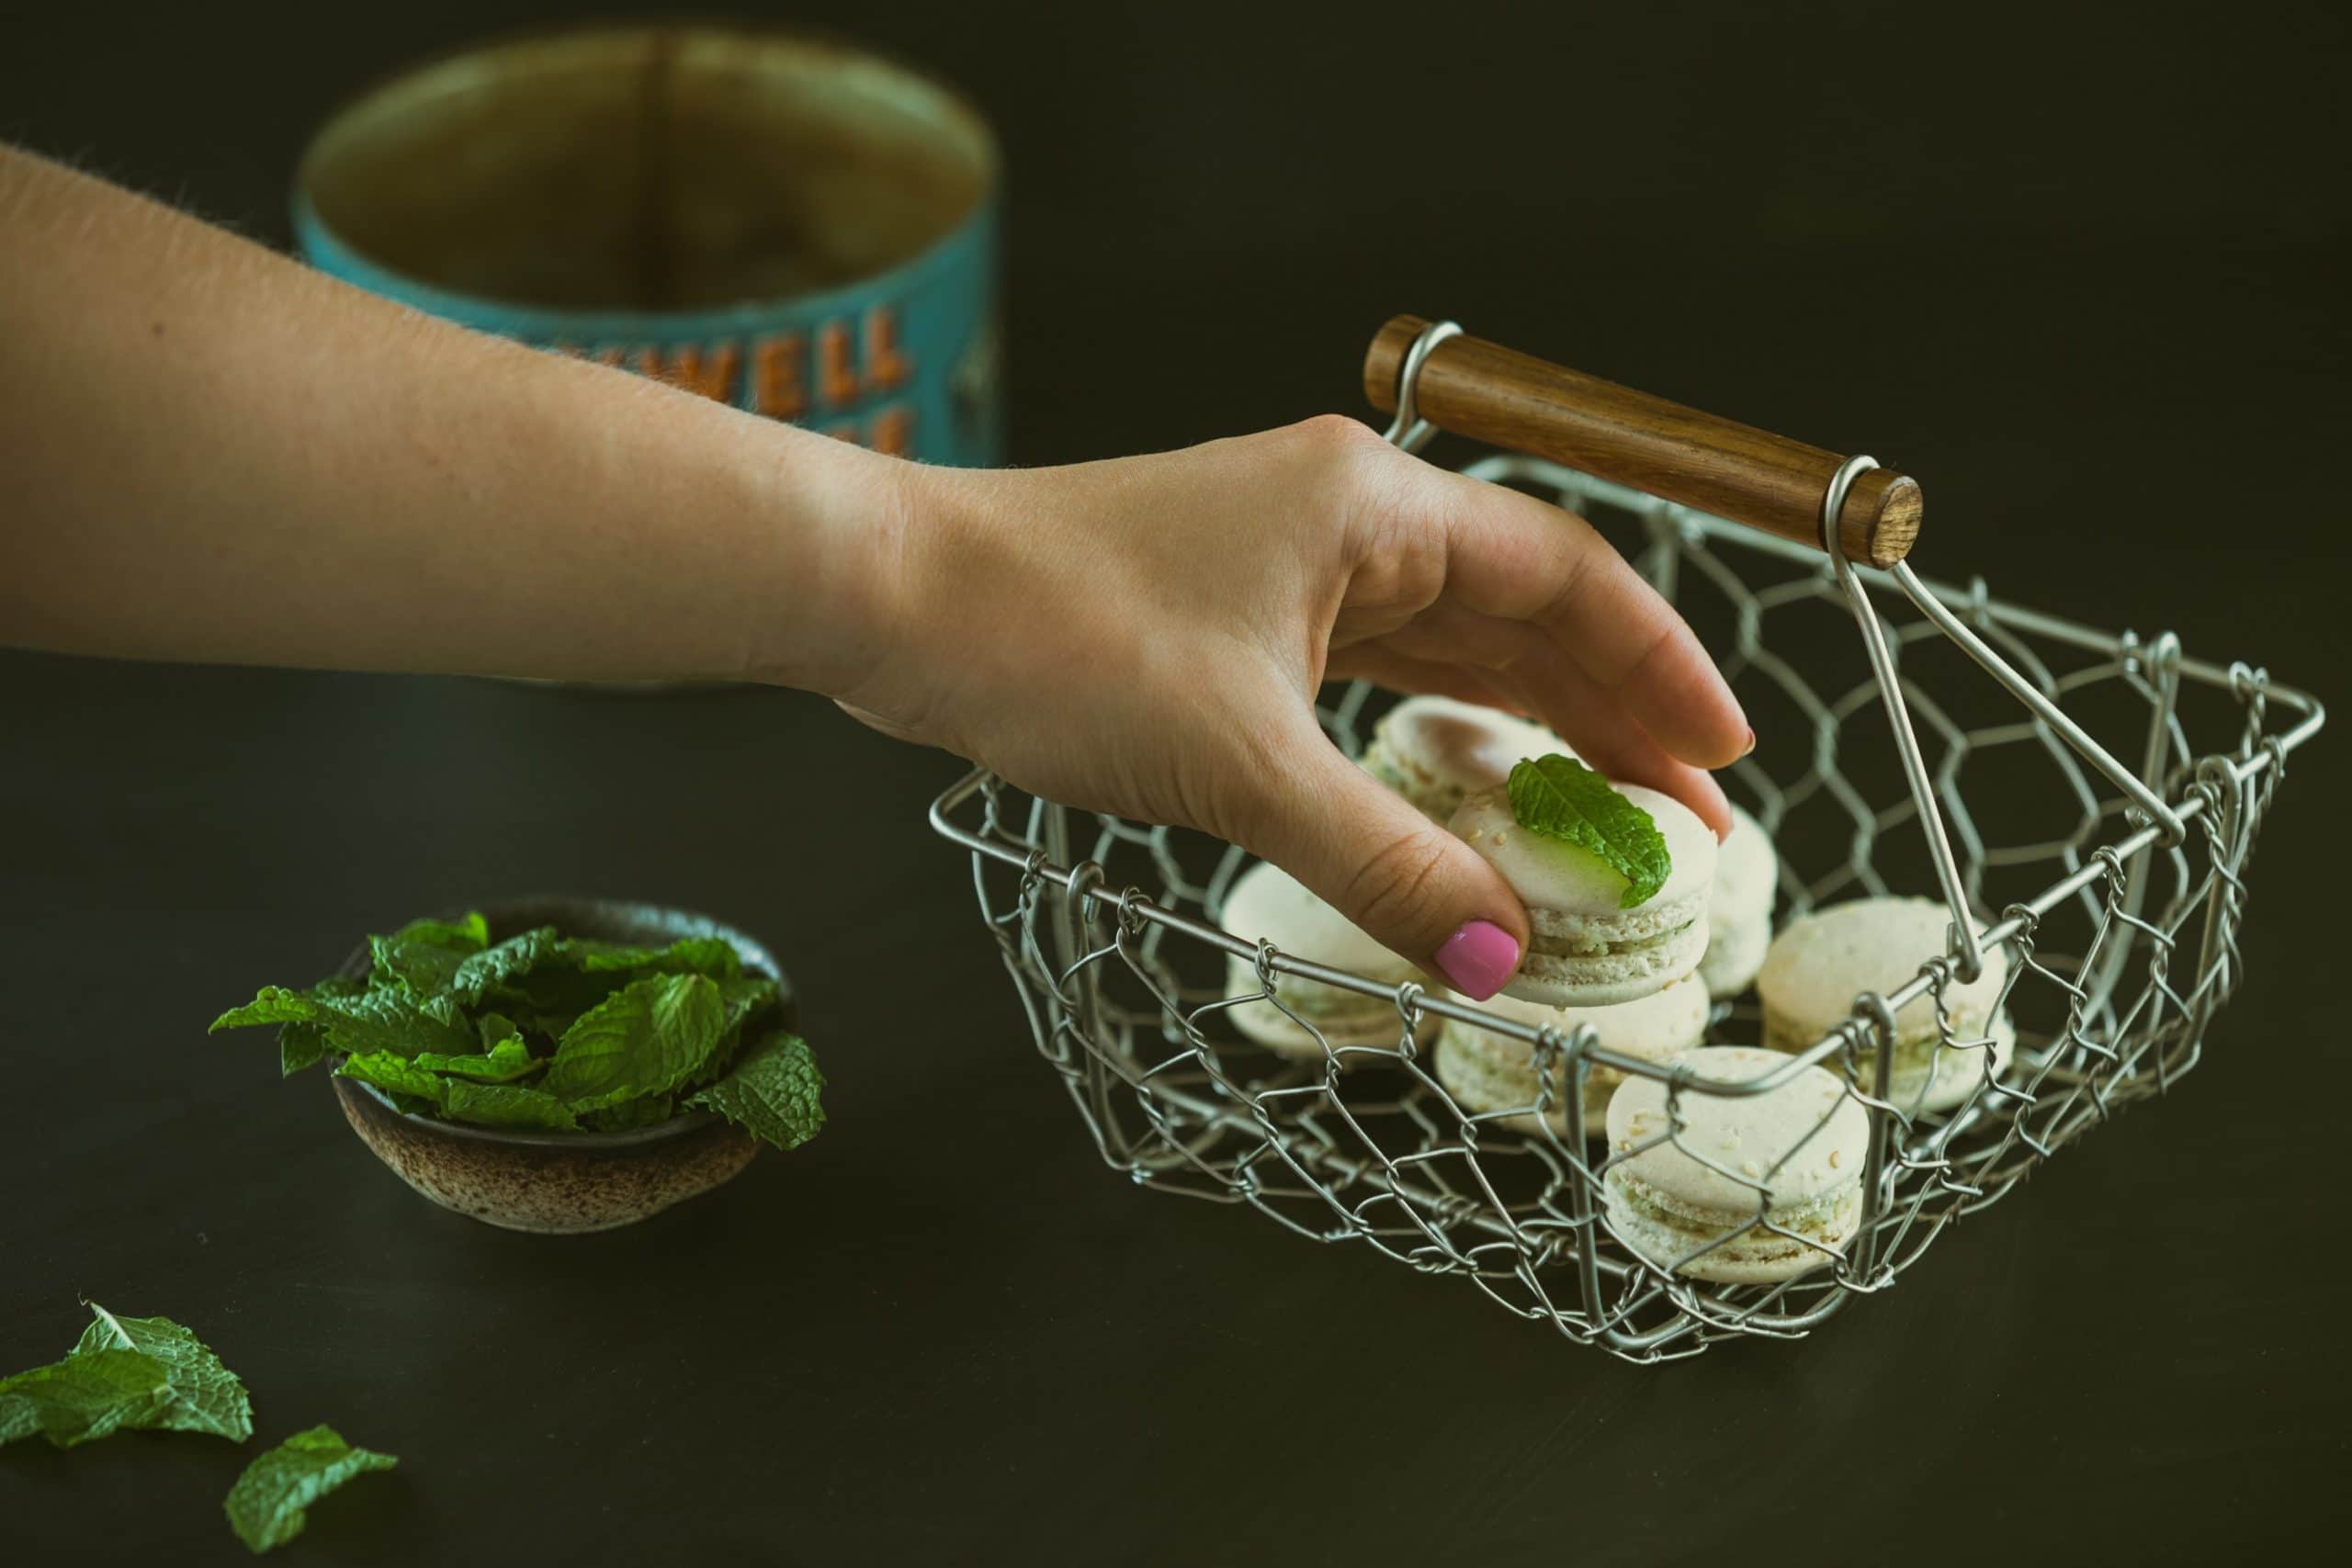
1749,1190
1485,1072
1434,751
1266,904
1588,947
1739,907
1815,969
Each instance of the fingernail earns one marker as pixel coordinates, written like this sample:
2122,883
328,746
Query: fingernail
1751,744
1478,958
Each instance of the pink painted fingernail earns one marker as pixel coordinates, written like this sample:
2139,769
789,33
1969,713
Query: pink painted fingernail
1478,958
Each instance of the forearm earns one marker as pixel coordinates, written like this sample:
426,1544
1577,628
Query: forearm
208,451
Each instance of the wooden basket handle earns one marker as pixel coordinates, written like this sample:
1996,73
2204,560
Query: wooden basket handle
1511,400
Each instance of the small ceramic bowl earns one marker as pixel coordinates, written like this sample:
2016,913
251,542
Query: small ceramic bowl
563,1183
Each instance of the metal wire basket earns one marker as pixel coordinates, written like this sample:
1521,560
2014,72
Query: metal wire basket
2116,892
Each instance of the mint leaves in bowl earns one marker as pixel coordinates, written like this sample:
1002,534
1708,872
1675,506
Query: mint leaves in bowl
557,1064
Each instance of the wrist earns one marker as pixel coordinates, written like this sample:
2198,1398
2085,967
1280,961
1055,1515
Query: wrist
834,520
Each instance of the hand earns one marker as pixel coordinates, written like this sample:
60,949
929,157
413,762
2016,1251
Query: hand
1146,637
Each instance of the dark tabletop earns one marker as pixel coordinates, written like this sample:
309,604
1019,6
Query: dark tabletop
2086,284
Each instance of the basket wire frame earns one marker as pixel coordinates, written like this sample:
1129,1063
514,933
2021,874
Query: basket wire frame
2115,893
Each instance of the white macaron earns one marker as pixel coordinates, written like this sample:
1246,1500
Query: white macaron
1487,1072
1815,969
1739,907
1267,904
1434,751
1585,950
1750,1189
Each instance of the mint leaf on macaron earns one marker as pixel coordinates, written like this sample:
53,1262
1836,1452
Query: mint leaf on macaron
1559,797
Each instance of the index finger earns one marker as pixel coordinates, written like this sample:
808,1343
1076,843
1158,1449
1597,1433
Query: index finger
1513,556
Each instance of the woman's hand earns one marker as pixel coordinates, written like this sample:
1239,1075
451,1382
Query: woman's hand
1146,636
314,475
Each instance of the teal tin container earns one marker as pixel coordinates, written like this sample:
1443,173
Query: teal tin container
787,224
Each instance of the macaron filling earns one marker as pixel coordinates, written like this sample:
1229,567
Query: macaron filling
1329,1004
1925,1077
1826,1221
1590,943
1487,1072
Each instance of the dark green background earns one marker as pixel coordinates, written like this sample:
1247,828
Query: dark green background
2081,274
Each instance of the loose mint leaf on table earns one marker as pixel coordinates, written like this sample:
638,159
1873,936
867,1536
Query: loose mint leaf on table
334,1019
126,1374
504,1063
202,1396
1559,797
83,1397
505,1105
268,1505
645,1039
772,1092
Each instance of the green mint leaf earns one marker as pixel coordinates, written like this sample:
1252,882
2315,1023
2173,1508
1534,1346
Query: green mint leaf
500,969
300,1046
268,1505
83,1397
389,1070
1560,798
714,956
646,1039
504,1063
772,1092
423,956
495,1029
631,1114
469,933
505,1105
202,1395
357,1023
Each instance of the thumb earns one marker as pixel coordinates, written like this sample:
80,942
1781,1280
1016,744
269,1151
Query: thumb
1406,881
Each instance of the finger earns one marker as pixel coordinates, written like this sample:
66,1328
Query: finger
1545,682
1450,632
1413,886
1383,666
1512,555
1608,738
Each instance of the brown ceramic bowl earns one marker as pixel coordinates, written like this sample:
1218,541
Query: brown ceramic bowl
563,1183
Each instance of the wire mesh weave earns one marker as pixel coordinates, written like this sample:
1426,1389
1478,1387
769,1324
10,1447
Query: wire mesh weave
2121,946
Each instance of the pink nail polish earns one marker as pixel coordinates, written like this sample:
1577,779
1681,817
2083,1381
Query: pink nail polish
1478,958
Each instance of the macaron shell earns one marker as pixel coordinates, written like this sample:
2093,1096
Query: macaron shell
1798,1142
1549,874
1757,1257
1266,1025
1747,872
1821,961
1734,952
1267,904
1362,1020
1448,747
1929,1080
1487,1072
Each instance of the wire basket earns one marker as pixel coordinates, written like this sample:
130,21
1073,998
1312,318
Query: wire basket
2116,892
